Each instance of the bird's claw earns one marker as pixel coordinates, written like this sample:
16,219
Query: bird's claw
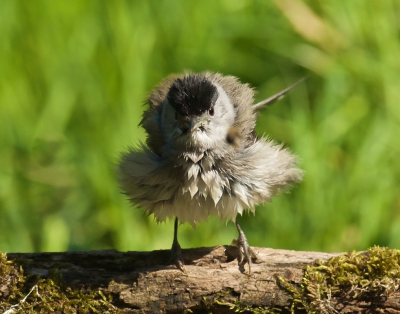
246,253
176,256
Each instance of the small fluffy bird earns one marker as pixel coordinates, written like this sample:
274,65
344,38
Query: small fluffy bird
202,156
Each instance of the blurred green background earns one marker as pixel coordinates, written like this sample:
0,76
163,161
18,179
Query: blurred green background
74,76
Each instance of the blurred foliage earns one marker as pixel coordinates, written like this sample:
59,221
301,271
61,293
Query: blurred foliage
74,76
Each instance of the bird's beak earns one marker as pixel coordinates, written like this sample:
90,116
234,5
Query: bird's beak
193,124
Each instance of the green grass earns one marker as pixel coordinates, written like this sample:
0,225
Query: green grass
74,76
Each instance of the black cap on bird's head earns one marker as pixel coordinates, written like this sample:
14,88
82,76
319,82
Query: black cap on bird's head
192,95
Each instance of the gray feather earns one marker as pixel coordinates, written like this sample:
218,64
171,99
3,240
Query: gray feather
198,173
270,100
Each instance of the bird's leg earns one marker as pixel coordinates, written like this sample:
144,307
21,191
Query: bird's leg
176,249
245,251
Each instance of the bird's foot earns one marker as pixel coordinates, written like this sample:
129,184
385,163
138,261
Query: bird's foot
176,256
246,253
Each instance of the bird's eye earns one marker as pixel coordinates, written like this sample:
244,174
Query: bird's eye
211,111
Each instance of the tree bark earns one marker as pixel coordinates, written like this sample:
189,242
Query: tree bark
143,282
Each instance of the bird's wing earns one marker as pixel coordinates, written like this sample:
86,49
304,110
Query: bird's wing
269,101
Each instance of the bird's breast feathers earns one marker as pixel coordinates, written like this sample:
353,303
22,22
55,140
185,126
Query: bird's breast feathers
195,185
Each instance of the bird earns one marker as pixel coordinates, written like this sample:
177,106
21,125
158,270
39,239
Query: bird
202,156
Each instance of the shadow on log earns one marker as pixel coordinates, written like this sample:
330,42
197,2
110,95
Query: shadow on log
142,282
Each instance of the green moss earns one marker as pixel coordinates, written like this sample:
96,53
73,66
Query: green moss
234,307
11,279
352,277
31,294
366,276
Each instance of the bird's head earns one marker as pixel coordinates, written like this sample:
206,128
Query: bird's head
197,114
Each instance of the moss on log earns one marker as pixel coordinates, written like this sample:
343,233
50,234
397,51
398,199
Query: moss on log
142,282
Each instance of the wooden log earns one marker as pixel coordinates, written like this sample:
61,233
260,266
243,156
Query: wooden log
143,282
